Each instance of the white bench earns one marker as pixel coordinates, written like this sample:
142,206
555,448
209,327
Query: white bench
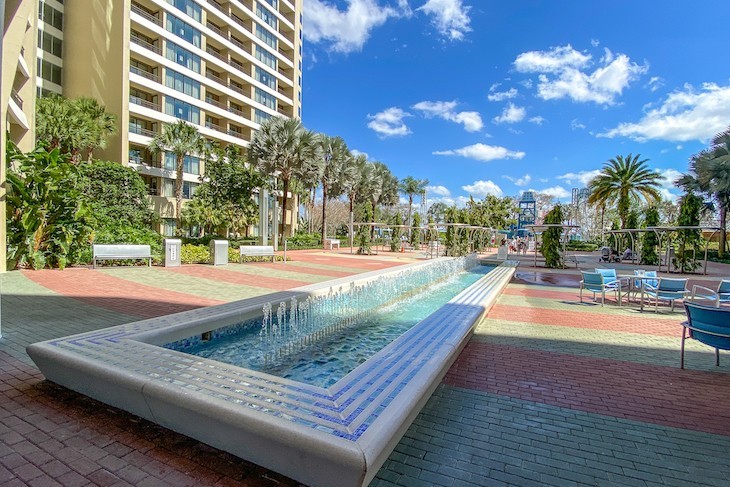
331,243
257,251
121,252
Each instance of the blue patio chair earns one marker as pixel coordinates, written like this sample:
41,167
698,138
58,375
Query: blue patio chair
638,283
666,289
720,296
707,325
596,283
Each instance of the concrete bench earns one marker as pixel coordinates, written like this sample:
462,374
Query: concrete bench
331,243
121,252
257,251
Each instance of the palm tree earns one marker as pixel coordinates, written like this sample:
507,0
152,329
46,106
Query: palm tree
53,125
336,156
181,139
280,148
355,182
624,181
710,174
100,124
412,187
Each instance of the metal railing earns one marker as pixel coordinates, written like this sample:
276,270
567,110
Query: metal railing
145,103
215,103
145,44
216,5
144,73
135,129
146,15
217,54
236,111
214,77
215,29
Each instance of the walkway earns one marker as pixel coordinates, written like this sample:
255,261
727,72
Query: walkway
548,391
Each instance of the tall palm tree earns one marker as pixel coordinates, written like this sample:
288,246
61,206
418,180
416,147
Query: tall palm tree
336,155
53,124
279,149
710,174
181,139
624,181
412,187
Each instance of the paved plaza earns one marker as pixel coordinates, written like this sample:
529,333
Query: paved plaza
549,391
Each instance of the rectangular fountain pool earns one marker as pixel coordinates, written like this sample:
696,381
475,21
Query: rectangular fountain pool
330,435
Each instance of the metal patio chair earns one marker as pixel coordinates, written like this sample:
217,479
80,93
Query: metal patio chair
707,325
721,295
596,283
666,289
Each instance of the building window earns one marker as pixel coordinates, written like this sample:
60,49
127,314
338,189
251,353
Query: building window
182,83
266,57
191,8
49,71
182,110
168,227
259,116
266,78
265,99
183,30
189,189
50,43
265,15
191,164
273,3
266,36
50,15
182,56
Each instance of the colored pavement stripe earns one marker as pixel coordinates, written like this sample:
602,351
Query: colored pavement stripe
114,294
285,271
584,319
218,274
668,396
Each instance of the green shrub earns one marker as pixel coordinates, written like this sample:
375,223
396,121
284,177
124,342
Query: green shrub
194,254
581,246
304,241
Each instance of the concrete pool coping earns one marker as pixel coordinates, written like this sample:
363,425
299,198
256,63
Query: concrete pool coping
336,436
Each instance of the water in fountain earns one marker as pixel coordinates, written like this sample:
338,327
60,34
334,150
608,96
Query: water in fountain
302,323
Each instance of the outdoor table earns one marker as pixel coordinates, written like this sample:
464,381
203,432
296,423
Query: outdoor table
643,280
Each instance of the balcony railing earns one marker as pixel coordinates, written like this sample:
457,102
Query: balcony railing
214,77
236,111
216,5
217,54
237,89
215,29
215,103
145,44
146,15
237,65
17,99
144,73
239,44
136,129
145,103
214,126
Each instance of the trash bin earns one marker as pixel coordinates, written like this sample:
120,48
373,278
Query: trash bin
172,252
219,252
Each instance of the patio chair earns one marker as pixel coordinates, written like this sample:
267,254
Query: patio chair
666,289
707,325
596,283
719,296
638,283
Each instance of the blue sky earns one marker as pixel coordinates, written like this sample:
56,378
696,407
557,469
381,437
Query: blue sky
497,97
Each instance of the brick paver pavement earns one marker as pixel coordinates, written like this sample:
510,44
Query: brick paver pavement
548,391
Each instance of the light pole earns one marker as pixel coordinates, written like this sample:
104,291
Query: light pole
327,159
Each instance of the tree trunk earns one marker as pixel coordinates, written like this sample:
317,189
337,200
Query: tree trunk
324,212
179,191
410,209
283,206
723,232
372,220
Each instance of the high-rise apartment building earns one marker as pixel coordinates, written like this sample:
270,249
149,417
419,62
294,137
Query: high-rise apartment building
223,66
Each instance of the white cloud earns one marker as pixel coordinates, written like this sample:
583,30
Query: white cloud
347,30
389,122
459,201
555,191
472,121
655,83
511,114
438,190
555,61
523,181
482,152
595,42
688,114
480,189
356,153
537,120
668,190
450,17
495,95
583,177
562,75
575,124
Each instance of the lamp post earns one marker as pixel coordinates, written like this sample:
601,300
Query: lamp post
327,159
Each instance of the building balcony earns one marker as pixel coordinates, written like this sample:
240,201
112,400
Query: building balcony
145,74
141,42
146,15
144,103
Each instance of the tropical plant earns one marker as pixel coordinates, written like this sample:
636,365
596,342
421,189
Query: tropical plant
688,240
336,171
623,181
46,216
650,240
181,139
437,212
281,149
416,235
73,125
396,222
551,245
363,233
710,174
411,187
356,182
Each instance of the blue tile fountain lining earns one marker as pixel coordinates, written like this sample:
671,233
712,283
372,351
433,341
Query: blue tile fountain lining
321,339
